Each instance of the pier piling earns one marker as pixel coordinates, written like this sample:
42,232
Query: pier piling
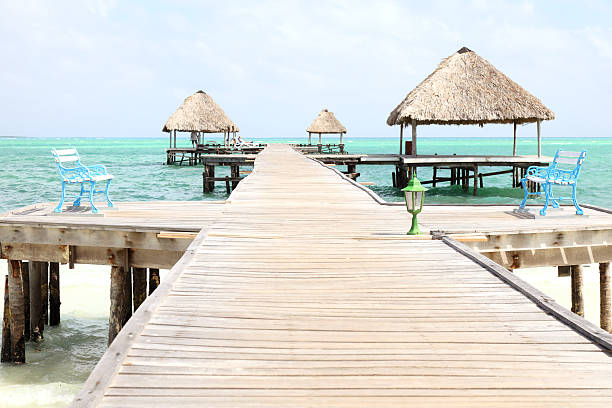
139,286
36,332
25,279
54,294
44,294
16,312
577,298
5,353
153,279
605,298
117,303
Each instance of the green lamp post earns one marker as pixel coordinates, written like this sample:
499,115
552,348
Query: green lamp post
415,196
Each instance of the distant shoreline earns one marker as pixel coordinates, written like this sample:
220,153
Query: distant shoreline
305,136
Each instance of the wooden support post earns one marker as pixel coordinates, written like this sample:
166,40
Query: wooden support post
5,353
514,146
175,138
481,182
139,286
435,174
116,305
414,135
44,294
54,294
153,279
475,180
539,139
401,137
25,279
605,297
577,299
452,176
309,138
36,332
394,183
16,312
228,189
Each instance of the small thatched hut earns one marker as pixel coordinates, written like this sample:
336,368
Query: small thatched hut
326,123
199,113
466,89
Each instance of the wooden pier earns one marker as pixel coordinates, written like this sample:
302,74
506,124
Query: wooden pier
466,171
302,289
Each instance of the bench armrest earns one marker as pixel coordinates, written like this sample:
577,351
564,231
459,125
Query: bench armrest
97,169
536,171
562,175
74,174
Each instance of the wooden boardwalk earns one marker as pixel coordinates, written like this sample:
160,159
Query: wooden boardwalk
301,294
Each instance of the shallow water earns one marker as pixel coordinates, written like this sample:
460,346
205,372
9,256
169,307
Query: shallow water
27,171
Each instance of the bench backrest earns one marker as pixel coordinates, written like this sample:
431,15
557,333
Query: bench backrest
65,156
569,162
69,165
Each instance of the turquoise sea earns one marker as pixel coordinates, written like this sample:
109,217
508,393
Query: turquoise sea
58,366
28,175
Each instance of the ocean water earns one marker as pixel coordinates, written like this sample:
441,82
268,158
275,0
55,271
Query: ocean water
28,175
58,366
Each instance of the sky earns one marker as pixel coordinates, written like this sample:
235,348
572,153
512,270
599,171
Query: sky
104,68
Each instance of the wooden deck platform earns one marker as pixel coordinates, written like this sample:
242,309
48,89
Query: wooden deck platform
304,291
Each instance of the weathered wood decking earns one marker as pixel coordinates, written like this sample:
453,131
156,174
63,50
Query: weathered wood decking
305,292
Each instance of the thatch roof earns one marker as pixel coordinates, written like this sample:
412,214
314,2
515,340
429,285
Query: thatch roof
199,113
467,89
326,122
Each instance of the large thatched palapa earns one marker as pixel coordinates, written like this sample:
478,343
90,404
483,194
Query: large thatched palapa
199,113
466,89
325,123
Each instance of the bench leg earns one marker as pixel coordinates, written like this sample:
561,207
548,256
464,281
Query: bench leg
547,192
77,202
578,209
524,183
108,200
91,194
58,209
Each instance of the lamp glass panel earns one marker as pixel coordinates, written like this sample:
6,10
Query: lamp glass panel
418,200
409,200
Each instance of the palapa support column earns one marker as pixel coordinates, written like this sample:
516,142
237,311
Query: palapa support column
139,286
54,294
577,299
605,297
25,280
36,332
309,138
514,145
401,137
5,352
153,279
16,312
539,138
414,135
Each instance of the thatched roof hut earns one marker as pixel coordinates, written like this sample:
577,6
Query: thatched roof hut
466,89
199,113
325,123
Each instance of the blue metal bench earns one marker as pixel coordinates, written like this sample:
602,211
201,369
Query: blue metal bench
71,171
555,174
